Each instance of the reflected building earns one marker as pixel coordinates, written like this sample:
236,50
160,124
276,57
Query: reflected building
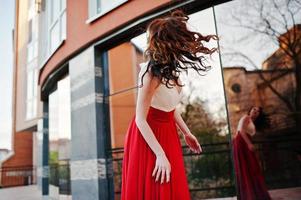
245,88
124,68
274,87
280,59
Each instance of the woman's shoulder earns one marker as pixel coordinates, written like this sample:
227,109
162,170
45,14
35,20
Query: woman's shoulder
147,76
143,65
245,119
143,68
245,116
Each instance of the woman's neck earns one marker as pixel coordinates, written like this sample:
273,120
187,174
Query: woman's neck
252,118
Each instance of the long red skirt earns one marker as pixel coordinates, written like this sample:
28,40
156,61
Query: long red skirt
249,178
139,161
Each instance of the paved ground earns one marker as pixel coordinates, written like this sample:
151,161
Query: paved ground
20,193
286,194
280,194
32,193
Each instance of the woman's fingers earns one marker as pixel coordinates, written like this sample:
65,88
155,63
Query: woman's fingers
194,143
162,168
193,147
197,146
163,174
200,148
158,174
167,176
154,171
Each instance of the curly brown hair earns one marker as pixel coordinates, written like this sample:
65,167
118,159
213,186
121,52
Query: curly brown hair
262,121
173,48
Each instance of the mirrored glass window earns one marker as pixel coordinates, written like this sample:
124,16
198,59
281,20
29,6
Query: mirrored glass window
260,53
60,141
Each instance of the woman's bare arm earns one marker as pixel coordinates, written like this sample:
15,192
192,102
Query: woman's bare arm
190,139
180,123
145,94
162,166
179,120
245,121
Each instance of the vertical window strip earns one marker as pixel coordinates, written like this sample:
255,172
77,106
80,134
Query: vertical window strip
56,24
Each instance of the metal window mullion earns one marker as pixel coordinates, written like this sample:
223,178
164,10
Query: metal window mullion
60,26
29,65
53,24
32,81
28,50
59,16
60,21
28,112
98,5
50,9
31,112
50,38
48,16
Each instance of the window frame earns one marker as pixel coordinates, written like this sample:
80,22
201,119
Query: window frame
93,14
51,23
31,78
31,100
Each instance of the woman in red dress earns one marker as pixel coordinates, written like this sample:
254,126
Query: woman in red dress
249,178
153,164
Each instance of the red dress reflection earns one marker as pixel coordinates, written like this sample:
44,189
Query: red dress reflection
249,177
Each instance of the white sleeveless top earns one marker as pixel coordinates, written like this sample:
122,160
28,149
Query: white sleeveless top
164,98
250,128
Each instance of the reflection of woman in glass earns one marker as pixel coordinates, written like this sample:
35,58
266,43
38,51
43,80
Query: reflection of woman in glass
250,181
153,165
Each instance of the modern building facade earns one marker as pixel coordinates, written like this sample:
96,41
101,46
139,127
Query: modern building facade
18,168
76,67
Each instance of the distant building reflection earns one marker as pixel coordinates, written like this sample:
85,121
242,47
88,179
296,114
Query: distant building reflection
245,88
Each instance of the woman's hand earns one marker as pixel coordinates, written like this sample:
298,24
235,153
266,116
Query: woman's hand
162,168
190,139
193,143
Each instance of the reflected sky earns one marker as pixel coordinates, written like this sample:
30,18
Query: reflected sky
234,38
6,70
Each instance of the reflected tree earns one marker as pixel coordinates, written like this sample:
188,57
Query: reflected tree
277,22
209,174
